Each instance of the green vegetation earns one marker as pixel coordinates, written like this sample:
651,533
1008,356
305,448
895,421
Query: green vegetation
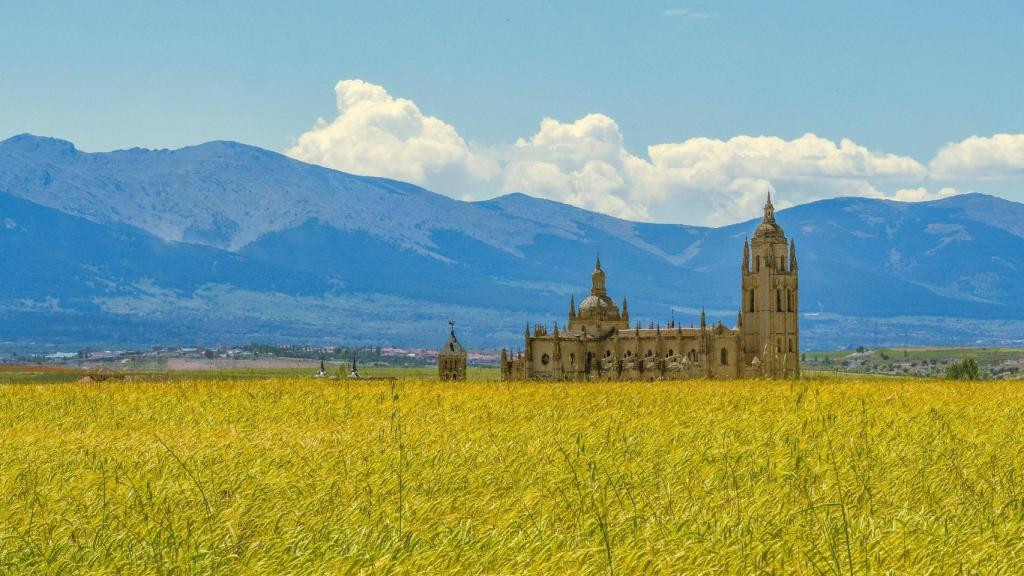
300,476
966,369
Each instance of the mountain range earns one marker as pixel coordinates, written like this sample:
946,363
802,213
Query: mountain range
224,243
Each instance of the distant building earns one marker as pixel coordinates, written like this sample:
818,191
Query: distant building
451,359
598,343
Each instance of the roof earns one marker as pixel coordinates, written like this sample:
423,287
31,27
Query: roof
769,229
598,308
452,346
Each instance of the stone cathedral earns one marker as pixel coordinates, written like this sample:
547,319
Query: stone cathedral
598,343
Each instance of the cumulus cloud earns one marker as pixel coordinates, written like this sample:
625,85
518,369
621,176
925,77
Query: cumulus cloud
586,163
380,135
920,194
583,163
730,176
981,158
808,156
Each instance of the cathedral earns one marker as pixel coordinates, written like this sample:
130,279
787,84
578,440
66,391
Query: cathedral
598,343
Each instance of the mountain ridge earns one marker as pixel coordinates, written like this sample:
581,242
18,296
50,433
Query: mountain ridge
356,240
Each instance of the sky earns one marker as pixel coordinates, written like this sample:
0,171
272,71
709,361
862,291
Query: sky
661,111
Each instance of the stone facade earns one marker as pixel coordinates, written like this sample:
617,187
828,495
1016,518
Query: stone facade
598,343
451,359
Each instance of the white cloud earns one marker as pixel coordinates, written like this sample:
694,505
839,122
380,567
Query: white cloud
379,135
721,180
981,158
687,13
725,178
585,163
921,194
770,157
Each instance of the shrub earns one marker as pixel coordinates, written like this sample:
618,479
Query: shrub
966,369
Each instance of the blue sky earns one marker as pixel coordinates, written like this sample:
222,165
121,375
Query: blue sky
898,81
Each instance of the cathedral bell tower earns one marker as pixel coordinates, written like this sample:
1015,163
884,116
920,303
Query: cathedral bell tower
769,317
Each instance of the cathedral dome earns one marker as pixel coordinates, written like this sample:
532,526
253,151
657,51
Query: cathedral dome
769,228
596,307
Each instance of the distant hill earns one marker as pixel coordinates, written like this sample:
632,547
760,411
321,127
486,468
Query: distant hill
224,242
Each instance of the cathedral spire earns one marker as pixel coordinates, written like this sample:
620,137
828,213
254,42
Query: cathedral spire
703,319
572,306
625,311
597,279
769,210
792,255
746,255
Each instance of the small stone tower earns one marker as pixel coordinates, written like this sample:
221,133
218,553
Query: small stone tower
451,359
769,317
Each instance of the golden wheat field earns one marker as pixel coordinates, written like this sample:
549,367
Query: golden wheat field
296,476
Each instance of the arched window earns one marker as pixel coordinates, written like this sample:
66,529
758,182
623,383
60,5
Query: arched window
778,300
725,357
629,353
572,359
751,301
649,354
791,345
607,353
671,352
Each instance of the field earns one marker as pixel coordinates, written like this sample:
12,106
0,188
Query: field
50,374
280,475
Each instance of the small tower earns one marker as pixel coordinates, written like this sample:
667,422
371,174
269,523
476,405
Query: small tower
451,359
